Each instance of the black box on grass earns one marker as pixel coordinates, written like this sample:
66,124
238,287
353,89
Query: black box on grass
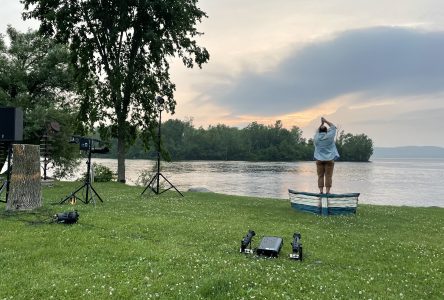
270,246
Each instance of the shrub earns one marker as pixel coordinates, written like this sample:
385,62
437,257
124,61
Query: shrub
102,173
146,175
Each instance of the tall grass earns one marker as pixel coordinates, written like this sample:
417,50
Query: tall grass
169,247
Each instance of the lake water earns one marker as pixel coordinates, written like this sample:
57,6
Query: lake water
412,182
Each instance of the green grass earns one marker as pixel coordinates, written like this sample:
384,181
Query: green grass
169,247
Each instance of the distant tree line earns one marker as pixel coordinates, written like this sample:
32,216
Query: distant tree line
180,140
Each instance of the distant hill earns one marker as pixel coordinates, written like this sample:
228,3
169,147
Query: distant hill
408,152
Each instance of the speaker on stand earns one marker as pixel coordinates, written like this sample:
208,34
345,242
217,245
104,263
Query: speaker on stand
11,130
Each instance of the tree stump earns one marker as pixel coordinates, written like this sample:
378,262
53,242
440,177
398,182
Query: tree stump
25,185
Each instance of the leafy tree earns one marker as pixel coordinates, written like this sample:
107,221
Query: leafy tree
255,136
302,149
219,140
35,74
126,44
354,147
175,136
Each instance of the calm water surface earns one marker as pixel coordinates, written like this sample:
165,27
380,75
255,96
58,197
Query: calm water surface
412,182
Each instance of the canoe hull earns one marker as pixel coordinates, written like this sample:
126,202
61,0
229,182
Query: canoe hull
324,204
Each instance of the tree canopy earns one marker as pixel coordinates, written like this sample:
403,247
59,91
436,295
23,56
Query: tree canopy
125,46
36,75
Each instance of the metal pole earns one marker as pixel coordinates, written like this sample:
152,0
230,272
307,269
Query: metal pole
45,161
158,151
88,172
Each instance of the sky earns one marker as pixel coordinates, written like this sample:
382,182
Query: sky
373,67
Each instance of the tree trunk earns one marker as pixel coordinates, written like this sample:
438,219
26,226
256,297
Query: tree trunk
122,131
121,159
25,185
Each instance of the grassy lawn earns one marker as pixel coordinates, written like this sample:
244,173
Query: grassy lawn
169,247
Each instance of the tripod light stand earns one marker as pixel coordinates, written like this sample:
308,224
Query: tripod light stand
155,181
86,144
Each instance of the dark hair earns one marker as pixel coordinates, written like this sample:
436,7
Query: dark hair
323,129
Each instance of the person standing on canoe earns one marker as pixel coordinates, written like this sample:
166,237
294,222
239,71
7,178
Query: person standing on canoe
325,154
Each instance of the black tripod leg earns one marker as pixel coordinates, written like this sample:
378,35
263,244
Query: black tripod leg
87,193
149,184
97,194
73,194
172,185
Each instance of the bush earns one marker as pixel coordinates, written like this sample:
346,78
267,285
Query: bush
146,175
102,173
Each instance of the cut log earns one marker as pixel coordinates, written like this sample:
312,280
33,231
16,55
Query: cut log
25,185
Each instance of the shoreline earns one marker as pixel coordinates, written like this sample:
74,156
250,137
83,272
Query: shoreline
245,196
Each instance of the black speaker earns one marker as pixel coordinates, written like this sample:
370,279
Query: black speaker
11,124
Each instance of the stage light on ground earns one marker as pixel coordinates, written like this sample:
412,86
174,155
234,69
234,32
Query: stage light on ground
296,247
246,242
67,217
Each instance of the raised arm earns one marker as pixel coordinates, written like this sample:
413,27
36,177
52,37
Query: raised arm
324,120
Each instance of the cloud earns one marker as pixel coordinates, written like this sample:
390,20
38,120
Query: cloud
402,122
371,62
11,14
421,127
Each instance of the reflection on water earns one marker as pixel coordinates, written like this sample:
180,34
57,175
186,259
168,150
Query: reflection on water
392,182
